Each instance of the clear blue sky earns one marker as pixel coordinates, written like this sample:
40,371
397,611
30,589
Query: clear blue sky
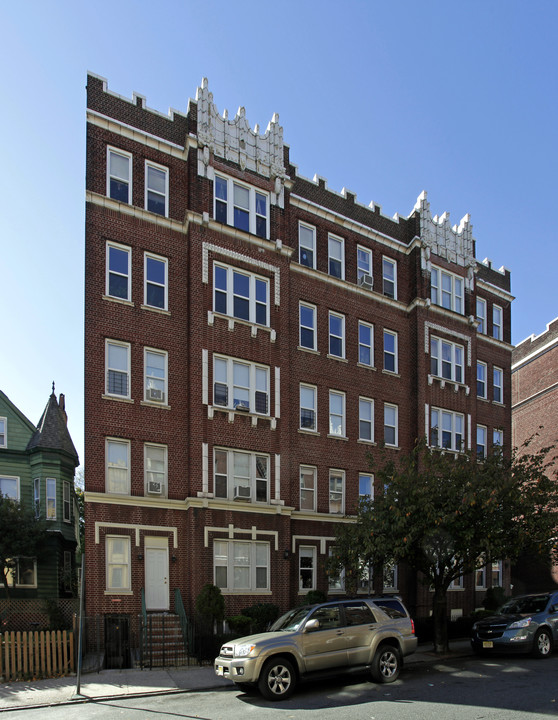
385,98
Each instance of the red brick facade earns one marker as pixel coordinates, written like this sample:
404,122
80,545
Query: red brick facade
207,436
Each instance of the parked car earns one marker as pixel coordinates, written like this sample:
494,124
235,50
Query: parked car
332,637
527,623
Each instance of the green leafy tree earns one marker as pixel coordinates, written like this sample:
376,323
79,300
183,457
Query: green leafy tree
446,515
21,535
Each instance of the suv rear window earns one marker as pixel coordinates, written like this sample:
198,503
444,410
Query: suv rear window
358,613
392,608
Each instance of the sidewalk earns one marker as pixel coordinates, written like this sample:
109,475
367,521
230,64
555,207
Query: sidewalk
117,683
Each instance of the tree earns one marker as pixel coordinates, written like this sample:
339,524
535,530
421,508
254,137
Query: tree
446,515
22,535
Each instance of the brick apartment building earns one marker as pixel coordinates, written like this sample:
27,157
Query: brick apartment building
535,416
250,336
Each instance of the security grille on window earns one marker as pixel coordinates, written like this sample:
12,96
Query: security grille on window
241,386
241,294
156,189
155,290
241,476
446,360
446,290
241,565
118,368
155,376
308,407
307,245
307,487
446,429
118,280
119,175
241,206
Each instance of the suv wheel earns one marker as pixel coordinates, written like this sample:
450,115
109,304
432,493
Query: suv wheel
386,664
277,679
542,645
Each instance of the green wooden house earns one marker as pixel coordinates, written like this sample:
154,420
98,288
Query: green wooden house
37,466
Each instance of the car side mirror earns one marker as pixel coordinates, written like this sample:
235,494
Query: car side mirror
312,625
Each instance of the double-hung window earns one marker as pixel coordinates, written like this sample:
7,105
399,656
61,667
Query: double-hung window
446,429
365,344
391,423
336,257
336,335
155,287
336,413
481,379
481,315
497,322
117,453
390,351
240,294
308,411
118,563
364,266
156,189
9,486
307,245
446,360
51,498
241,565
336,492
480,578
37,496
3,432
497,438
241,476
241,206
366,419
307,487
307,568
155,383
446,290
240,385
118,272
389,278
496,573
67,509
365,486
307,316
119,175
155,469
498,385
117,362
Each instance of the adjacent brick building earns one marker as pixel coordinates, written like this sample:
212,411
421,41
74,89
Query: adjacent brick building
250,337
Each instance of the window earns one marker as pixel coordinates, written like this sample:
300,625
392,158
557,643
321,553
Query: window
337,492
481,379
119,175
498,385
456,583
446,360
446,429
37,496
481,315
241,206
497,327
240,565
51,499
336,413
156,373
118,274
9,486
365,486
118,563
390,577
241,476
446,290
497,438
118,467
364,265
3,432
480,578
24,574
308,400
307,487
336,260
389,277
366,344
307,568
118,368
240,385
155,282
391,425
496,573
366,419
155,469
336,335
390,351
67,505
307,314
307,245
240,294
481,441
156,189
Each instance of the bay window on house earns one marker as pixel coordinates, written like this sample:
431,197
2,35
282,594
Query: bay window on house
51,498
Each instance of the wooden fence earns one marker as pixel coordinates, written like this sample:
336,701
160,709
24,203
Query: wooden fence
28,655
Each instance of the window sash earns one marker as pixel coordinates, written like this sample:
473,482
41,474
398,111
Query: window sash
481,380
67,505
497,315
336,413
119,175
37,496
481,441
446,429
364,262
366,344
118,271
308,409
241,475
155,466
366,486
391,425
307,487
307,326
240,294
241,206
306,568
481,315
3,432
497,438
155,290
117,368
389,278
498,387
9,486
307,245
390,351
238,383
118,563
446,290
51,499
155,375
336,492
336,335
117,467
446,360
241,565
156,189
366,419
336,257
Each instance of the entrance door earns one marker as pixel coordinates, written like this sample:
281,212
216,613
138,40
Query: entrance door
156,575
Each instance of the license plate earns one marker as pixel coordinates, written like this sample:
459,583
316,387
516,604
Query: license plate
487,644
219,670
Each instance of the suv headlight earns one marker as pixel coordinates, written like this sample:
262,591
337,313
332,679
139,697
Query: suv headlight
520,623
243,650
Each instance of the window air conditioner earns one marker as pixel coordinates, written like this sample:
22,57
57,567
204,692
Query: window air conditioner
155,395
154,487
366,281
242,406
242,493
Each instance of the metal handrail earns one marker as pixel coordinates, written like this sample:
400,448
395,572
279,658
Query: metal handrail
184,622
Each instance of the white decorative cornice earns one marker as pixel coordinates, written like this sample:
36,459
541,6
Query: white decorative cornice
453,243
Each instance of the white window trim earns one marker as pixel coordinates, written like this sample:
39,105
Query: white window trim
436,287
310,551
4,443
164,480
164,260
339,394
366,495
314,391
500,385
127,372
164,353
124,154
370,403
16,478
230,588
438,357
335,472
341,243
312,229
497,328
481,317
252,215
500,572
37,496
363,324
341,337
482,428
128,250
483,365
395,353
453,446
14,573
252,478
126,443
67,502
314,472
111,588
361,271
252,389
314,310
482,570
500,433
230,295
385,279
165,170
396,408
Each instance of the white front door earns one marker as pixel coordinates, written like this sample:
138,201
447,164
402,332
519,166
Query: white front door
156,578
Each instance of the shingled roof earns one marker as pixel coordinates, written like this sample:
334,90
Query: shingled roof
52,430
